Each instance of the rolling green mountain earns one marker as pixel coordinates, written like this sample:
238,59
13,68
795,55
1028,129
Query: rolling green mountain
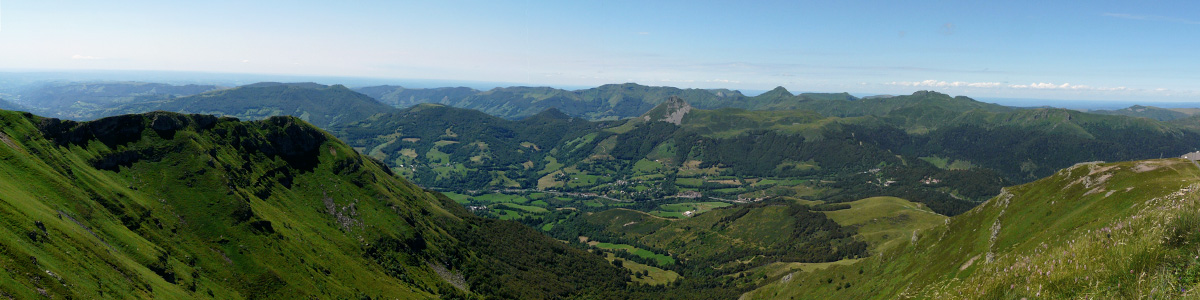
163,205
678,201
1192,123
749,245
401,97
423,143
731,239
1098,230
320,105
1161,114
606,102
638,159
945,152
83,100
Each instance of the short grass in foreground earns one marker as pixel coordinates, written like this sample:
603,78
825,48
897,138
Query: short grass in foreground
885,221
1101,231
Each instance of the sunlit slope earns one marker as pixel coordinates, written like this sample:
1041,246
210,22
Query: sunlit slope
171,206
1118,230
884,222
203,207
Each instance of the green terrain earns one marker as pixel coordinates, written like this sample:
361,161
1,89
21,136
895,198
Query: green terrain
1150,112
697,194
606,102
164,205
1103,231
945,152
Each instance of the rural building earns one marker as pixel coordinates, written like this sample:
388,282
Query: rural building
1192,156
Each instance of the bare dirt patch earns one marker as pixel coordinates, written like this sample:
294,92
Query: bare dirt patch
1146,167
968,263
7,141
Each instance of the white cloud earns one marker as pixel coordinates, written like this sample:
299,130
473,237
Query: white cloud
944,84
79,56
1066,86
1151,18
1032,86
723,81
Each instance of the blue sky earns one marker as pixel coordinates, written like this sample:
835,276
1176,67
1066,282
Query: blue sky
1096,50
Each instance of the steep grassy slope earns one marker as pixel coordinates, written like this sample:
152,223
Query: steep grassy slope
320,105
164,205
883,222
1119,230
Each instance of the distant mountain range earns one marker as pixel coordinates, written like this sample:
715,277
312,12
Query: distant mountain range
971,148
1150,112
774,196
606,102
911,138
83,100
320,105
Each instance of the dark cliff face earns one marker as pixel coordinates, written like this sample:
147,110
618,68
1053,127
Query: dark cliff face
121,130
284,137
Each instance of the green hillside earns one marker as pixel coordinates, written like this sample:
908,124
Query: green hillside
945,152
401,97
1192,123
164,205
971,148
1051,139
443,146
1106,231
884,222
748,245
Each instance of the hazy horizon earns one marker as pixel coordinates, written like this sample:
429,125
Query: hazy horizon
235,79
1024,49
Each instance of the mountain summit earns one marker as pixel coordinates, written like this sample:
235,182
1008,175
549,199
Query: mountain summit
672,111
777,92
